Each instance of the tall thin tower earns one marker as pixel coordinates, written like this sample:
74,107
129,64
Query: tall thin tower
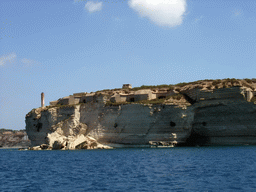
42,99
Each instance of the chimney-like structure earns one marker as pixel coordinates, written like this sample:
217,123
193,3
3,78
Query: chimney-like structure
42,99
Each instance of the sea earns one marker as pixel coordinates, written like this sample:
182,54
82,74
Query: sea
222,168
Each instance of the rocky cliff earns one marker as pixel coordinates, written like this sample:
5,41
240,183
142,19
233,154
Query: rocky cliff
13,139
213,116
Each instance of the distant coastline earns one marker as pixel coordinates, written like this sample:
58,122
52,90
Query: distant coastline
13,139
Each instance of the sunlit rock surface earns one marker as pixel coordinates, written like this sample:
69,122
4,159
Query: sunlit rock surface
13,139
221,116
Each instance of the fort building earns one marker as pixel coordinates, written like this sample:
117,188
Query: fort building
52,103
74,99
80,94
144,94
116,97
127,86
64,101
119,96
89,97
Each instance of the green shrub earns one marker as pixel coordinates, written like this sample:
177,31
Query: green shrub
153,101
182,84
151,87
177,96
248,80
217,81
109,103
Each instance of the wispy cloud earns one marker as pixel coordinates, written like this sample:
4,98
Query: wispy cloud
198,19
93,6
7,59
29,62
237,12
162,12
10,58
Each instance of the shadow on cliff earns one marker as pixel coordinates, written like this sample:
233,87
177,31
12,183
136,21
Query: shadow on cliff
195,139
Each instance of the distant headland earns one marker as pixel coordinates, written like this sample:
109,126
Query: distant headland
13,138
204,112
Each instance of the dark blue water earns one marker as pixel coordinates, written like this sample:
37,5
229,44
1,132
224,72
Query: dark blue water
171,169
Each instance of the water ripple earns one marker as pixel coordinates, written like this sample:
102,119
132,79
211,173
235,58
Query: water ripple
174,169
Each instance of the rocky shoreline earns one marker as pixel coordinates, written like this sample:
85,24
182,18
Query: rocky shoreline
13,139
207,113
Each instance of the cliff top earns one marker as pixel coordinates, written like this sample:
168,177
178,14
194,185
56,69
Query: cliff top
207,84
6,131
156,94
181,94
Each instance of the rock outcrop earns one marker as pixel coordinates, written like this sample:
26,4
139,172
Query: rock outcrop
97,126
13,139
224,117
215,116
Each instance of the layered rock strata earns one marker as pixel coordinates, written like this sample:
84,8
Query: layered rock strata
216,117
13,139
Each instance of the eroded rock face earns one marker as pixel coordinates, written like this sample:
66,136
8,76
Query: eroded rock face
221,116
226,123
224,117
60,128
13,139
95,126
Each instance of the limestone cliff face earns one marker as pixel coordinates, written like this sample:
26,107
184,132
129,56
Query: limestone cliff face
133,124
217,117
225,122
138,124
13,139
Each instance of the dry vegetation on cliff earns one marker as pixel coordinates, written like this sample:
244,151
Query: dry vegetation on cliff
207,83
173,99
177,98
170,109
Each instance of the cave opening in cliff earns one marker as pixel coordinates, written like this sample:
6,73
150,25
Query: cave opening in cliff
204,123
39,126
132,99
172,124
84,101
115,125
161,97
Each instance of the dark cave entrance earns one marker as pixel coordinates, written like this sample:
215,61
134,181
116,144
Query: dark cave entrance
161,97
132,99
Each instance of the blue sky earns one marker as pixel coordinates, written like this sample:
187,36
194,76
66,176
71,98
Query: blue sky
61,47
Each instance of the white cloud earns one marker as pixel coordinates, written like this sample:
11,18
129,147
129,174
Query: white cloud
162,12
7,59
93,7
